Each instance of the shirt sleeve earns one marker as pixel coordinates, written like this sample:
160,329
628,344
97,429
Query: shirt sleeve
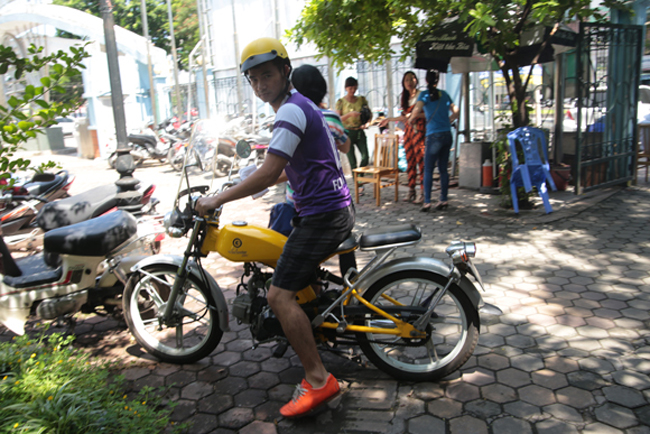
288,130
339,105
336,126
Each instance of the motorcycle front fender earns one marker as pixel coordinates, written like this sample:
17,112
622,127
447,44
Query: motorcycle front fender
219,299
430,265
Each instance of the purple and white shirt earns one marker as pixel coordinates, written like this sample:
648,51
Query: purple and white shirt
301,136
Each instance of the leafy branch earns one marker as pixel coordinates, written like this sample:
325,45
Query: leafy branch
29,113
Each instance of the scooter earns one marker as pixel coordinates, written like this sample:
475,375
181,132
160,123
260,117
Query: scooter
154,145
227,160
93,203
83,268
416,318
20,204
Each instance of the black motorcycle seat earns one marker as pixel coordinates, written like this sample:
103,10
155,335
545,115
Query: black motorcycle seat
390,235
34,272
44,182
349,244
142,139
95,237
78,208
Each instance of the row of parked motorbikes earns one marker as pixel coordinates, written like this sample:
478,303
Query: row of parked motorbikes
212,149
416,318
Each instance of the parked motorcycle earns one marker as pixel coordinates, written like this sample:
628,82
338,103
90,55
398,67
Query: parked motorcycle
20,204
416,318
84,206
83,268
200,151
225,160
154,145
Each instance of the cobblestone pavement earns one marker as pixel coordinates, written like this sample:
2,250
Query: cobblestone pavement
570,354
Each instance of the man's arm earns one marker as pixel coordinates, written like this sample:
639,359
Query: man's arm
344,147
265,176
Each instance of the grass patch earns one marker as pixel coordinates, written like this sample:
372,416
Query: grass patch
47,386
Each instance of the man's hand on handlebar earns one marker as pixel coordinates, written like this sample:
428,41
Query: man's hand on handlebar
206,205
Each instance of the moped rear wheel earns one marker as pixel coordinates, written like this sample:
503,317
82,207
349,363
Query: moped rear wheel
193,331
452,331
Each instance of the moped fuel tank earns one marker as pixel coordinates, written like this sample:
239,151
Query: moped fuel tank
241,242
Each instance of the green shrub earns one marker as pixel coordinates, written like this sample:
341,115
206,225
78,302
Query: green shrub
47,386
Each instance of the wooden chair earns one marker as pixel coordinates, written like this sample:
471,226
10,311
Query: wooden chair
643,154
384,172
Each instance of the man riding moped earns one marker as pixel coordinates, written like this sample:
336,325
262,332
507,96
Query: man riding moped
302,150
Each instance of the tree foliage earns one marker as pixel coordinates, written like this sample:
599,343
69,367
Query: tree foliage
29,113
349,30
186,28
128,14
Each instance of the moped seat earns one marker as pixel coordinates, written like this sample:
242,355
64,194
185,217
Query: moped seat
350,243
142,139
45,182
390,236
34,272
77,208
95,237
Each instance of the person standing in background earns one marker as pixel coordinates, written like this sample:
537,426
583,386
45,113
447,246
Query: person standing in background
349,108
436,104
413,135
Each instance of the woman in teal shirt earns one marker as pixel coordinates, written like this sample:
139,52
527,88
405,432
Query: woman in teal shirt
437,105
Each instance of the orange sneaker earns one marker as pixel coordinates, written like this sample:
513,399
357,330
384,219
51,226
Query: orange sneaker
306,399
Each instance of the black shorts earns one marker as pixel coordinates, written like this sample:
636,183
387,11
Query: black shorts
312,240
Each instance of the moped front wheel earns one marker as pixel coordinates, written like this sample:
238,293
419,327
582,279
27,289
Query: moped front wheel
452,331
192,332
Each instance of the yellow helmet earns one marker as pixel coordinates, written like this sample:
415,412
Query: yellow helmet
260,51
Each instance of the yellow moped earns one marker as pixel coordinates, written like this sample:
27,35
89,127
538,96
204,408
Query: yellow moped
416,318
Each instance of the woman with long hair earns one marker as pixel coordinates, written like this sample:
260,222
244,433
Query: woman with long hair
413,135
437,105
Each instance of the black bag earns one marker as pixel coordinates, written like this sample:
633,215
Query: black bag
365,115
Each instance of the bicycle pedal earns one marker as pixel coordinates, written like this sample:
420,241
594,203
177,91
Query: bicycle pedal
280,349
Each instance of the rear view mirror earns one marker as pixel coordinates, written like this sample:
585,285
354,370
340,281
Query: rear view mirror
243,149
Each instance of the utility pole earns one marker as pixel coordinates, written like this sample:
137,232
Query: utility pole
177,91
152,90
117,99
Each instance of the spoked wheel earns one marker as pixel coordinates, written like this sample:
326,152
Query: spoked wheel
452,331
193,331
221,166
176,158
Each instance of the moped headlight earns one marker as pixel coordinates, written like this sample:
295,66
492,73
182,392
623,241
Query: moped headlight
173,224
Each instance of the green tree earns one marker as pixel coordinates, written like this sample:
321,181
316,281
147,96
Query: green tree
127,14
186,28
29,113
348,30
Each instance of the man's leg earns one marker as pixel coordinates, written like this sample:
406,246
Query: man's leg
298,330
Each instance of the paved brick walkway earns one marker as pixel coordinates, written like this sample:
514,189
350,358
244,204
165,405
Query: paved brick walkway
571,354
